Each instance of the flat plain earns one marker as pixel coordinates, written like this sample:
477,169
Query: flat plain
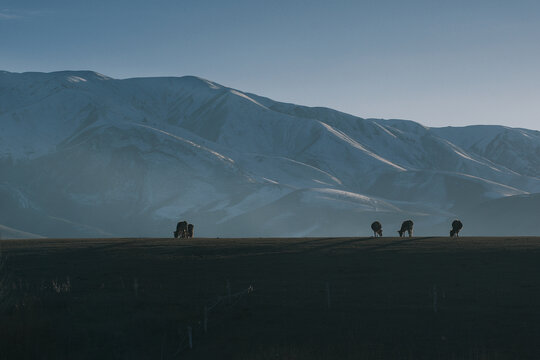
263,298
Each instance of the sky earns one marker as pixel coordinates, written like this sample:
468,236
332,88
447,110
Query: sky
438,62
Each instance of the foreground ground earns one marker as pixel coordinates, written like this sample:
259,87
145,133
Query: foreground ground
317,298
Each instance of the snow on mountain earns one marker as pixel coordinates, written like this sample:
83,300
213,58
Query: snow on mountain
131,157
10,233
515,149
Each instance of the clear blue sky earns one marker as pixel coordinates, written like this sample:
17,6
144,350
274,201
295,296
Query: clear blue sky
437,62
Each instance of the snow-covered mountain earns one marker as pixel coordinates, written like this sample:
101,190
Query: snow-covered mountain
82,154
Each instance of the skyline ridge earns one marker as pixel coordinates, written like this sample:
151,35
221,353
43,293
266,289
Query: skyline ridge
154,149
107,77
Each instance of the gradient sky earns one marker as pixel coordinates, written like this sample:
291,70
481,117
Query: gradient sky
436,62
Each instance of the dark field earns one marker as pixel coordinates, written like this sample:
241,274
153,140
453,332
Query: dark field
321,298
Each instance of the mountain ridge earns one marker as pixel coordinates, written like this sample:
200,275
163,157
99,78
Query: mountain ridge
159,149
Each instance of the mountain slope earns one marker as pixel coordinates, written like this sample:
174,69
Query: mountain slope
506,216
131,157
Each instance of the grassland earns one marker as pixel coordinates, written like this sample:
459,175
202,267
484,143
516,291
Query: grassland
312,298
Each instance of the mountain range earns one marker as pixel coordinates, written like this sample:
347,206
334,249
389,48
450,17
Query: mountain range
85,155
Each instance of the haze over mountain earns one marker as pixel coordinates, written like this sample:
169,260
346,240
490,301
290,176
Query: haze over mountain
82,154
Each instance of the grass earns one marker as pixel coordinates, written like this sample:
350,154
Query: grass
390,298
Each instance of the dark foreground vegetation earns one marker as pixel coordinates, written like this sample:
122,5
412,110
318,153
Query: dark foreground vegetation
344,298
